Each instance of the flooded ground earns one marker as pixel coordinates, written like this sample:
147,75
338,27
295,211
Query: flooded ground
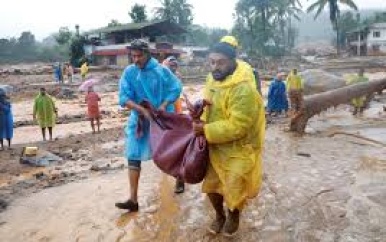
329,185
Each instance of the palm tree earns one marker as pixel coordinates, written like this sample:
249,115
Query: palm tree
178,11
166,11
184,12
283,11
334,13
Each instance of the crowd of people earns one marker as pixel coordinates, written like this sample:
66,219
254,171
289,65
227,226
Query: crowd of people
45,111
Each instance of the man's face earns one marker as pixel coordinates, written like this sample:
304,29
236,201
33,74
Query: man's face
220,65
139,58
173,67
43,92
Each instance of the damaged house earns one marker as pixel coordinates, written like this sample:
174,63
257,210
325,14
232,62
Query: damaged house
369,40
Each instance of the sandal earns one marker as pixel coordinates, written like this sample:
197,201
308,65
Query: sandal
129,205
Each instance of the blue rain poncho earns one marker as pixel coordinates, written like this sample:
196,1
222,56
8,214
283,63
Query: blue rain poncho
277,97
6,119
155,84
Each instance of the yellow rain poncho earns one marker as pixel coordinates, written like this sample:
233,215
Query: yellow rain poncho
235,127
248,71
44,110
360,101
294,82
84,69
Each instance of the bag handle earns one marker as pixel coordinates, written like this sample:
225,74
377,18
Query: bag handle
154,115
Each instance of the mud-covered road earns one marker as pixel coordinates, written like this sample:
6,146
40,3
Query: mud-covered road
329,185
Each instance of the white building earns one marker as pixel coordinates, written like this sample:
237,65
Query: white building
370,40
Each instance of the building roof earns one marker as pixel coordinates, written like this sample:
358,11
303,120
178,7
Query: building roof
365,28
378,26
152,28
115,52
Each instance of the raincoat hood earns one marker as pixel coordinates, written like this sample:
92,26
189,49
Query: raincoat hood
239,75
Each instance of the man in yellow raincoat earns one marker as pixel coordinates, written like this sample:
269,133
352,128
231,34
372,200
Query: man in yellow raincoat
234,126
84,70
359,102
45,112
295,91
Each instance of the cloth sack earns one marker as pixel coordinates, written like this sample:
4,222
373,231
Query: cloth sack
176,150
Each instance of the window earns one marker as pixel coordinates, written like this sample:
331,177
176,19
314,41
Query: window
376,34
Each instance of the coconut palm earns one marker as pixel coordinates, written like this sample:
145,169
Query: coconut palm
283,12
178,11
334,10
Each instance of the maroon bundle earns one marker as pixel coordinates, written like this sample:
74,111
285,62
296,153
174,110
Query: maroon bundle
176,149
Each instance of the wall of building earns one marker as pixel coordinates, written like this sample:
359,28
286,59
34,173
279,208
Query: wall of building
122,60
376,41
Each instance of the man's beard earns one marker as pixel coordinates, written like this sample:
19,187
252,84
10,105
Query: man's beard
221,76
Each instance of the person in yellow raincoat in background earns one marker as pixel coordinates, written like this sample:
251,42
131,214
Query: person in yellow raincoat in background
359,102
234,126
295,87
84,70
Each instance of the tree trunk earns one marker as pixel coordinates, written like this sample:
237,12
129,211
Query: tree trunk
315,104
337,37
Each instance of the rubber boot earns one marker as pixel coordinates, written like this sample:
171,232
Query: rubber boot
232,223
217,203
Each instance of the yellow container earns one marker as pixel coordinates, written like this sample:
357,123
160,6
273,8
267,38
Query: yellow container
30,151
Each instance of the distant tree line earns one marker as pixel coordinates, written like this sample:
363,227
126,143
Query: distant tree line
26,49
263,27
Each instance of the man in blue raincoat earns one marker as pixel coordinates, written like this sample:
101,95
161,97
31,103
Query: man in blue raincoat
145,79
6,119
277,96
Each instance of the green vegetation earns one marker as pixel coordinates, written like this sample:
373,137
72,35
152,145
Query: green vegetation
138,13
264,27
334,12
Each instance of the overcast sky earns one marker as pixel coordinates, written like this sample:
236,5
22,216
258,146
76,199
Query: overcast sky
43,17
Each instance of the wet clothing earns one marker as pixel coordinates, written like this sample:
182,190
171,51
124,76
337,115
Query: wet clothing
295,91
277,96
250,72
234,129
134,164
58,73
296,99
6,119
154,83
84,70
294,82
92,99
358,102
44,110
